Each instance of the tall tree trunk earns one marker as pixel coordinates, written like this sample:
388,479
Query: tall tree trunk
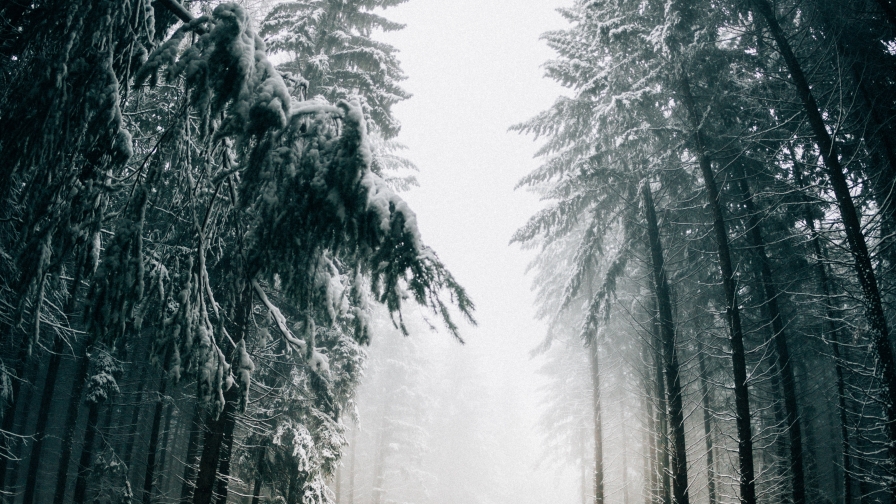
9,410
85,464
217,430
43,416
833,329
679,464
134,431
46,399
732,310
598,429
296,488
707,424
154,441
625,489
190,461
259,478
651,480
352,466
167,436
664,490
785,367
874,311
224,463
71,421
379,464
583,466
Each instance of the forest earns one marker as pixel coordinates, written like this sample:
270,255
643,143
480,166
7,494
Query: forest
213,287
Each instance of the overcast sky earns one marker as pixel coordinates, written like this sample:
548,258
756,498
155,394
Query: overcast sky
474,67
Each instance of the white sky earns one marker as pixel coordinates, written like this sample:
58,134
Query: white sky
474,70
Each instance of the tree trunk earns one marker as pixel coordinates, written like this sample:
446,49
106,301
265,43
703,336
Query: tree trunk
43,416
85,464
217,430
154,441
167,436
186,491
663,296
598,430
352,466
874,311
9,412
651,465
256,492
732,310
833,330
135,419
224,463
785,367
296,488
664,490
707,424
71,421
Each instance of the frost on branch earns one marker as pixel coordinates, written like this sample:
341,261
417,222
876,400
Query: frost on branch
317,197
227,70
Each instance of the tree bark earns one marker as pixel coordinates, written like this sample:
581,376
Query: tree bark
9,412
732,310
651,465
785,367
154,441
190,462
707,424
664,490
217,429
43,416
351,477
833,329
679,465
224,462
598,430
874,311
85,464
71,421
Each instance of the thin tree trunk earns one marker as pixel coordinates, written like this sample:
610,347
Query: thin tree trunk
785,367
874,311
256,492
186,491
379,469
224,463
664,485
296,484
9,412
625,492
85,464
351,476
707,424
598,430
217,430
679,464
154,441
134,430
732,310
71,421
583,466
43,416
833,330
651,479
165,457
